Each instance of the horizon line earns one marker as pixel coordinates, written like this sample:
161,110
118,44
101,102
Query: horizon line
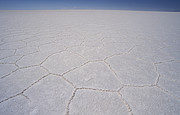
151,10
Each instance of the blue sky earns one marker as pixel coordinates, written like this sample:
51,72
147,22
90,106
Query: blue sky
166,5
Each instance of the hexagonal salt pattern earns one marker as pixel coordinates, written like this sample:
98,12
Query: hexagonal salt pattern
86,102
150,101
6,53
16,106
32,59
19,80
62,62
94,75
7,69
46,99
13,45
89,62
132,70
10,59
169,77
93,53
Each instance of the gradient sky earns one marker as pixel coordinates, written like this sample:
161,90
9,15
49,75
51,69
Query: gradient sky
163,5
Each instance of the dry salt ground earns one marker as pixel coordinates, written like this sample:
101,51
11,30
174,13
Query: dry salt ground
89,62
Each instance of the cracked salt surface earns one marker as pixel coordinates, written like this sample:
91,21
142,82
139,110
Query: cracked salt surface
74,63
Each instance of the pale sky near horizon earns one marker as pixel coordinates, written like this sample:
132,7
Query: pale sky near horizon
162,5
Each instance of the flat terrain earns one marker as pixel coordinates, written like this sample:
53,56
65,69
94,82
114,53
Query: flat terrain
89,62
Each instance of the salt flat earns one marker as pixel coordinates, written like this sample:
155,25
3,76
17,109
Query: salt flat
89,62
